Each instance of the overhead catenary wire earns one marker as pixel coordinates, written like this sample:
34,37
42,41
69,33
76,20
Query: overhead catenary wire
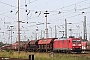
15,7
35,1
78,11
70,5
33,10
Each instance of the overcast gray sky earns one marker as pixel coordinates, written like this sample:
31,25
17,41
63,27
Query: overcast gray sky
59,10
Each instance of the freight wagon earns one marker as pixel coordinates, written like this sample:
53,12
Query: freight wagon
85,45
88,45
32,45
22,45
6,47
46,44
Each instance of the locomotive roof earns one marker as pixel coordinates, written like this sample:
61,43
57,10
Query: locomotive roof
63,38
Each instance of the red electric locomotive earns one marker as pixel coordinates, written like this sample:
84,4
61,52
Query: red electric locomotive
67,45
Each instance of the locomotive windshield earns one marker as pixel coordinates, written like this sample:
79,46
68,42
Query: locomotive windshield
76,41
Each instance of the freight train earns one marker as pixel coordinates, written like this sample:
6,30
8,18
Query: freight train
70,44
85,45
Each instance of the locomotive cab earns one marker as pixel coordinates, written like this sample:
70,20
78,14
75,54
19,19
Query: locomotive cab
75,44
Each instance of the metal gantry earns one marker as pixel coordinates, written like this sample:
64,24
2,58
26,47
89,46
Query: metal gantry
46,12
11,33
46,28
66,27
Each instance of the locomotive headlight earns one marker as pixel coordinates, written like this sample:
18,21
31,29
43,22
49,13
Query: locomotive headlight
73,44
79,44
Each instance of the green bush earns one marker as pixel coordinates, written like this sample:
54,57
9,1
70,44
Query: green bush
11,52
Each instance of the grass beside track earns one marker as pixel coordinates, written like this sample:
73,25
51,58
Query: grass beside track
45,56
